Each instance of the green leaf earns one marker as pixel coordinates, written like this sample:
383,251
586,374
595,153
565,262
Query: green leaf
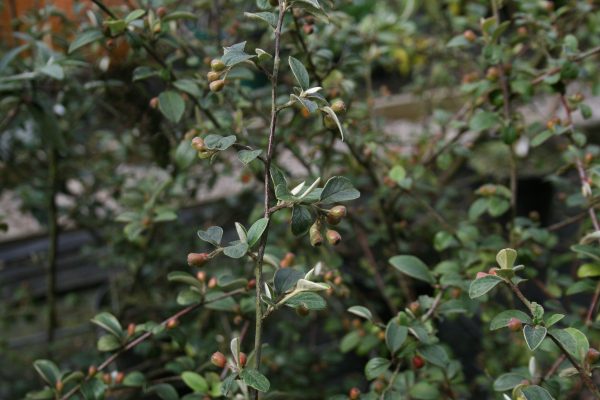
195,381
536,393
85,38
376,366
553,319
188,296
506,258
508,381
329,111
188,86
116,26
236,249
312,3
534,335
218,142
184,277
501,320
350,341
224,304
180,15
567,340
285,279
135,14
171,104
581,340
424,391
255,379
338,189
256,231
587,251
108,343
235,54
134,379
108,322
362,312
435,354
212,235
48,371
302,219
413,267
53,71
164,391
309,300
481,286
299,72
483,120
143,72
246,156
395,335
269,17
588,270
44,394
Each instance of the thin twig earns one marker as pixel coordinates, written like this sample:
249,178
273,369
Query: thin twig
148,334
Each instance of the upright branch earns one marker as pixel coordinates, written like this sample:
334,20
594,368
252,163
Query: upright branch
258,271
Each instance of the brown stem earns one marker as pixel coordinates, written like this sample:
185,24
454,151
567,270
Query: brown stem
148,334
53,243
258,271
434,306
540,78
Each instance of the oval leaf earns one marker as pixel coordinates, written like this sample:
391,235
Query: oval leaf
413,267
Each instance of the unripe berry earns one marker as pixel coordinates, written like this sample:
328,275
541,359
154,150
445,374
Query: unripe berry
329,122
217,86
212,283
338,281
107,379
378,386
381,335
218,359
333,237
217,65
470,35
243,359
338,106
59,386
316,239
131,329
354,393
201,276
197,259
172,323
592,355
492,74
302,311
161,12
154,102
338,211
481,275
212,76
551,124
119,378
522,31
515,325
418,362
415,307
92,371
455,293
328,276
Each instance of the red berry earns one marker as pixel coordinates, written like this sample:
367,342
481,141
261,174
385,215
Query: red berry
251,284
197,259
354,393
119,378
218,359
243,359
172,323
107,379
470,35
418,362
515,325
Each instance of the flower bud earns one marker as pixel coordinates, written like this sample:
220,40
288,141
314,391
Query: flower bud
481,275
217,86
354,393
492,74
338,280
217,65
131,329
201,276
119,378
287,260
316,239
59,386
198,144
218,359
92,371
154,102
107,379
243,359
514,325
197,259
333,237
414,307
